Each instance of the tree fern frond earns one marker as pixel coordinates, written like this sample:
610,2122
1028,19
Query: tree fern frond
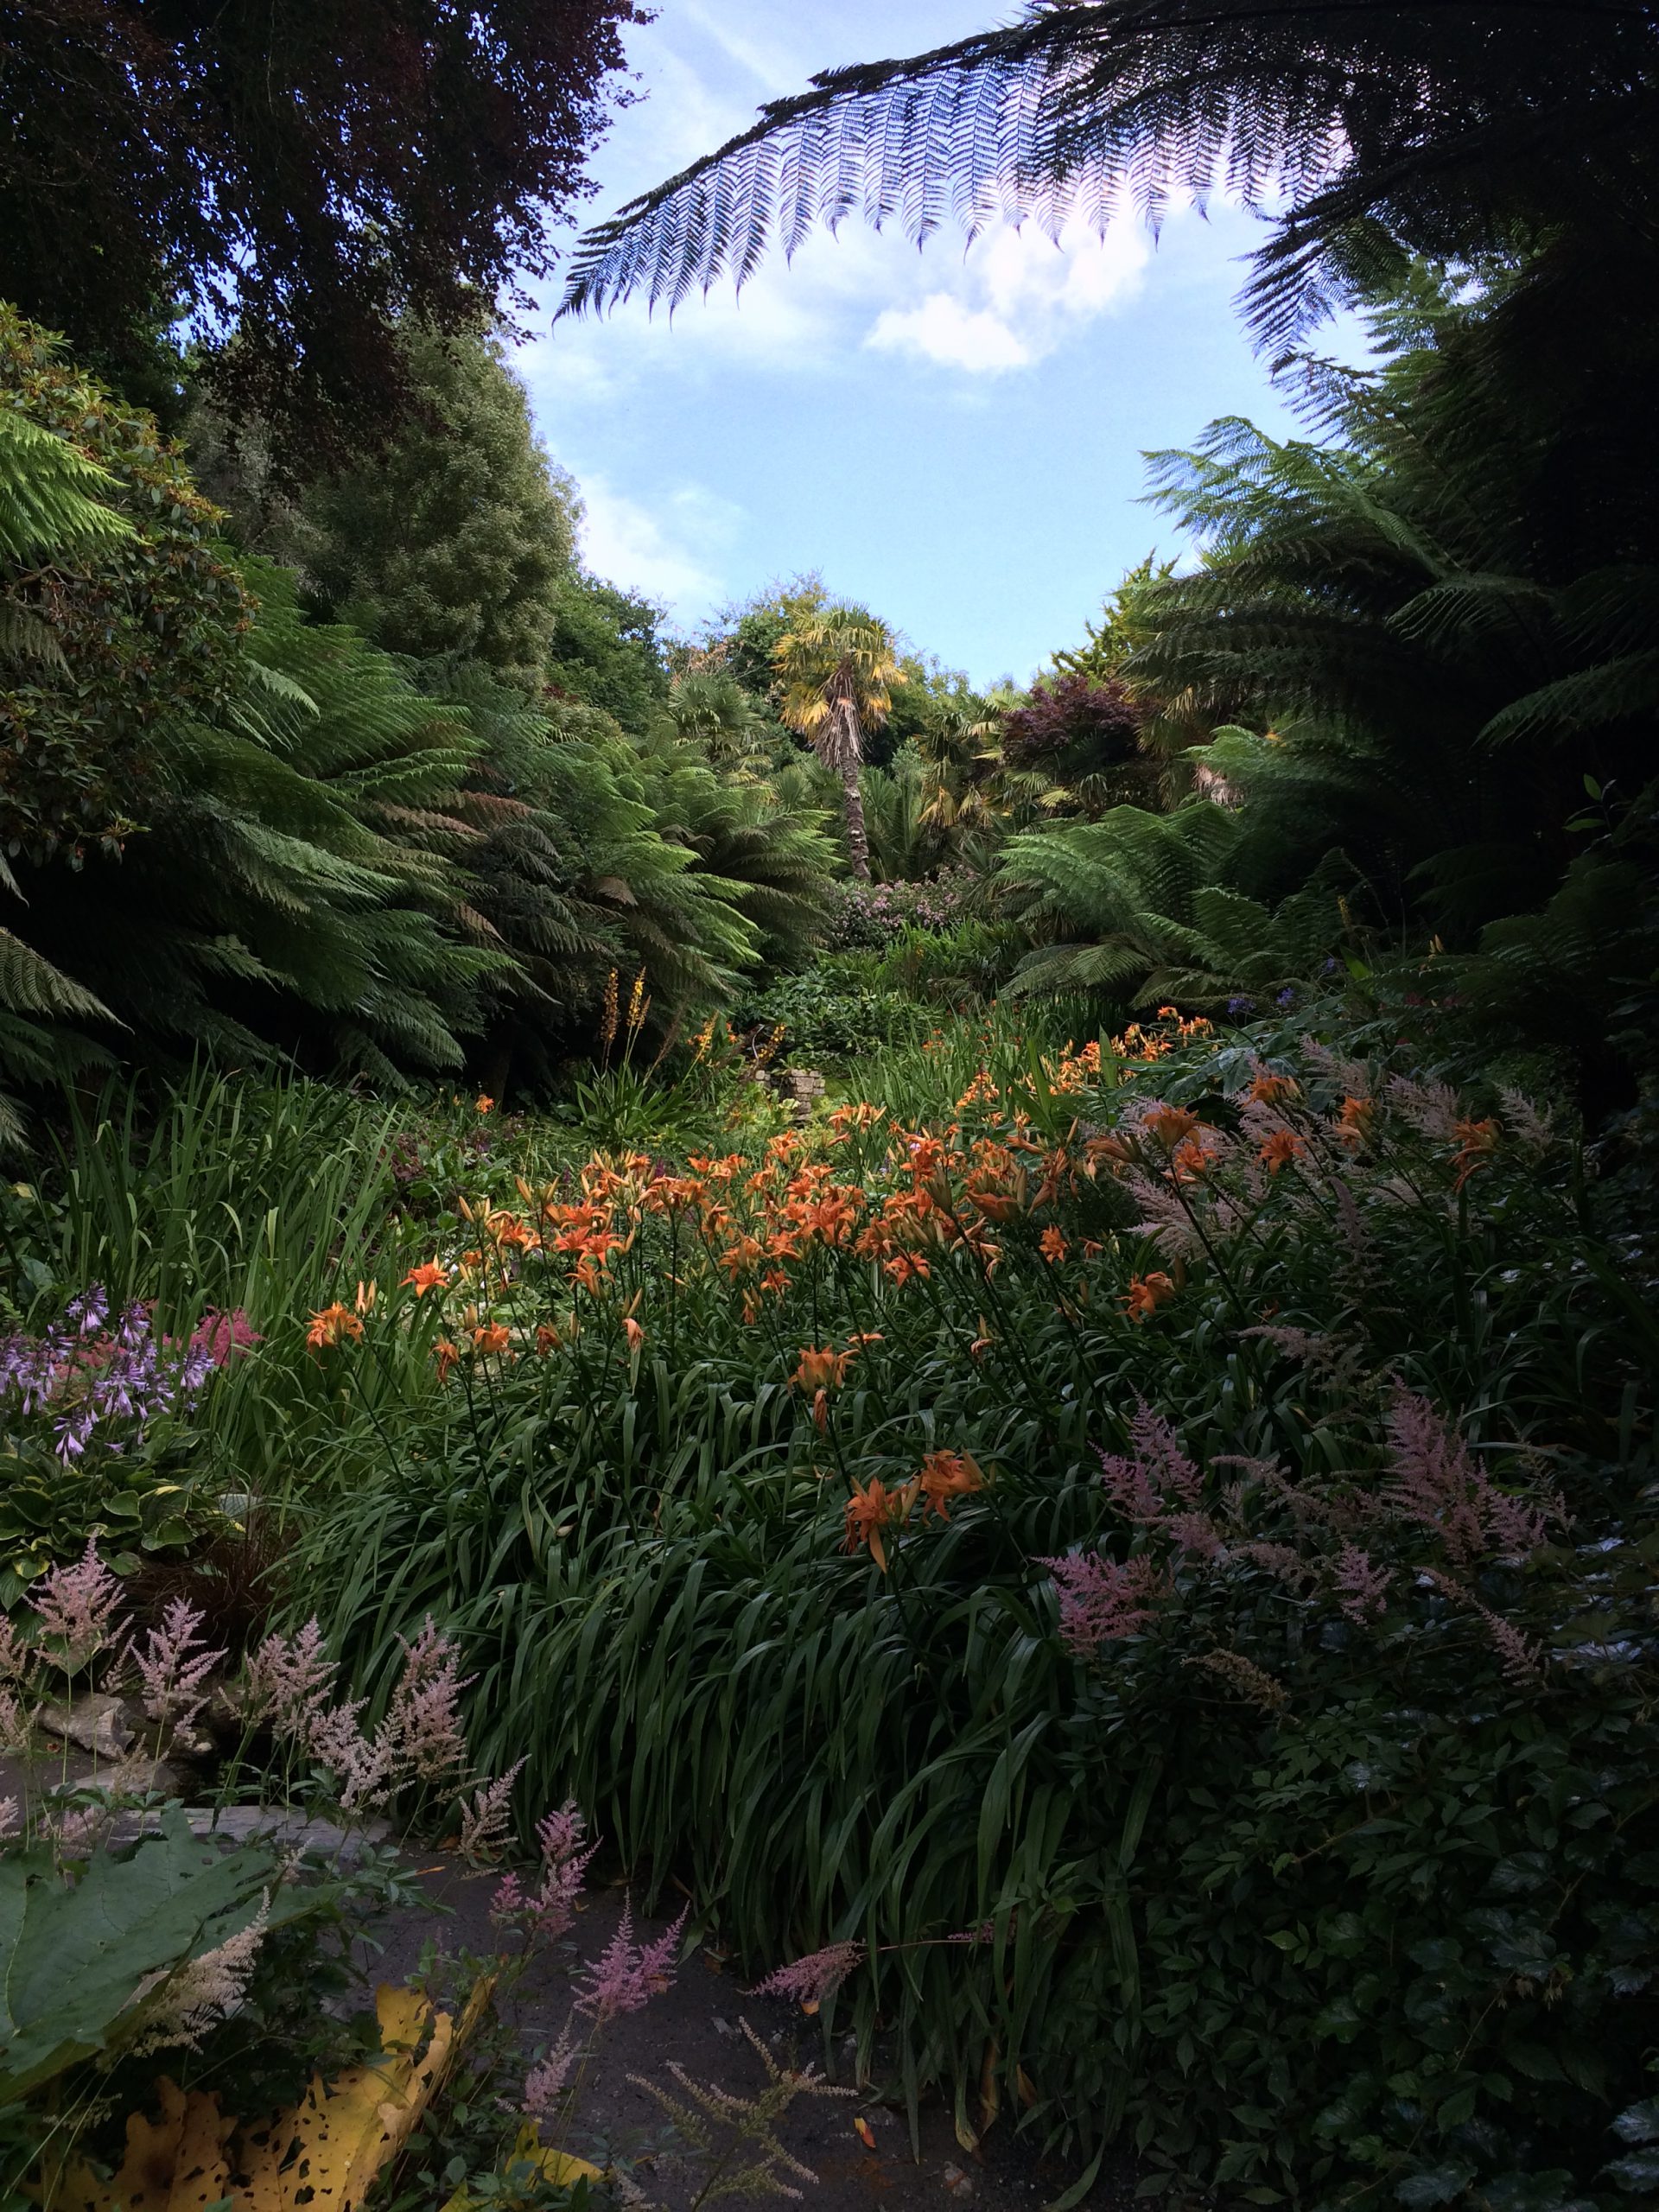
30,984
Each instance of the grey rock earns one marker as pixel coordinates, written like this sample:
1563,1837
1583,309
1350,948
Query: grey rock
98,1722
138,1776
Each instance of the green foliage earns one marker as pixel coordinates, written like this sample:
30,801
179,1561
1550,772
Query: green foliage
773,858
51,495
1366,133
606,654
76,1953
381,866
1143,908
122,618
1441,643
456,541
838,1009
822,1751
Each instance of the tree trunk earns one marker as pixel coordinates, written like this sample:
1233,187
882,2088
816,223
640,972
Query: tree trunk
858,843
840,745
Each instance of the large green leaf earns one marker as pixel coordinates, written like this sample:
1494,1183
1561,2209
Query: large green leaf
73,1957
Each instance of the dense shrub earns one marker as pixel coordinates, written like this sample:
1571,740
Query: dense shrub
868,916
752,1487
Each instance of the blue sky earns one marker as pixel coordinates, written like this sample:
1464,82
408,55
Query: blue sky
953,438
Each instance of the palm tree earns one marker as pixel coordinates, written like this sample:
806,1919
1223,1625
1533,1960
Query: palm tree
1370,129
835,669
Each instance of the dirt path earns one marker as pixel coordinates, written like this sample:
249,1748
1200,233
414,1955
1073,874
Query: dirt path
697,2023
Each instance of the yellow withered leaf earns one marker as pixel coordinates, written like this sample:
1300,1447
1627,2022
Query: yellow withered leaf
552,2165
176,2164
323,2155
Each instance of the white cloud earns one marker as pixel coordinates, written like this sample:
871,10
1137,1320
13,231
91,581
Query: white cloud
1011,301
1017,298
943,330
664,551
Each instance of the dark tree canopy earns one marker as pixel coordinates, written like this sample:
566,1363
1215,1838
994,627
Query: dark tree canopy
1369,127
296,173
455,540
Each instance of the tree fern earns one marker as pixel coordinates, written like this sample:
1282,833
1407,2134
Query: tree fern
1362,124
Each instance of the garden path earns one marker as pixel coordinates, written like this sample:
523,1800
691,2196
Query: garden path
697,2023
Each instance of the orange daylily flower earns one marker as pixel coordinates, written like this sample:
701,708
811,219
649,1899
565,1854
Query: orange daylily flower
428,1276
1053,1245
1476,1139
634,1332
1268,1089
1355,1125
508,1229
872,1508
446,1354
1146,1294
547,1338
483,1104
492,1337
1172,1125
946,1475
995,1205
334,1325
905,1267
1278,1150
822,1370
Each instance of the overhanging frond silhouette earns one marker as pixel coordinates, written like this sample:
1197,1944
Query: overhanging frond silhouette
1366,126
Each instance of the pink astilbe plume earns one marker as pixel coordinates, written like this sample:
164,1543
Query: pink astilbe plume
16,1658
223,1336
1159,1486
544,2083
422,1728
1362,1584
1532,1128
174,1666
1437,1485
364,1770
1196,1533
1165,1220
200,1994
808,1981
1131,1488
73,1834
1102,1602
10,1818
629,1974
549,1910
288,1682
13,1722
78,1605
484,1822
1432,1108
1522,1662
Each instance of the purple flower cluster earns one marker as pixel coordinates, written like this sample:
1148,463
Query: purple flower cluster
88,1371
868,916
